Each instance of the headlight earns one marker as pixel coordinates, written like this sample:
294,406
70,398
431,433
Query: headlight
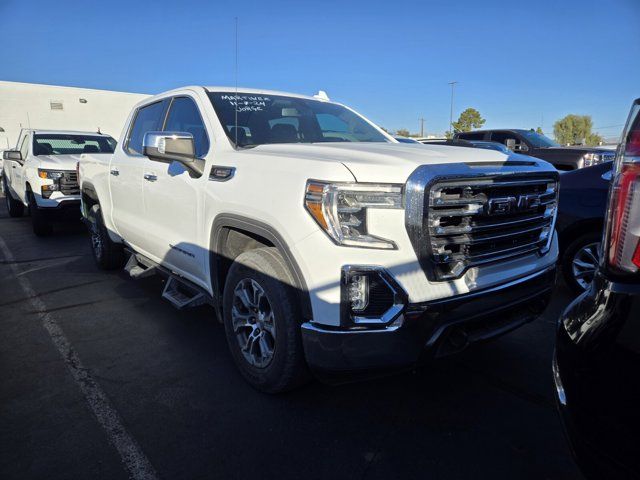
50,174
341,210
591,159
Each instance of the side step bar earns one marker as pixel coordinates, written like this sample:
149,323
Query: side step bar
180,292
140,267
181,295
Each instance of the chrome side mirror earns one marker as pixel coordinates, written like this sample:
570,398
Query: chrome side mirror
170,147
511,144
14,155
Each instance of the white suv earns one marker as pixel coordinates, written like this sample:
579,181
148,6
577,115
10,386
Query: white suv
322,243
41,173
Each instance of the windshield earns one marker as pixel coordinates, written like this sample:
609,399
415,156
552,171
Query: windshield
70,144
266,119
537,139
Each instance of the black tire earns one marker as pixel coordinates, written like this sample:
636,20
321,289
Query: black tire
39,219
570,254
15,207
287,368
107,254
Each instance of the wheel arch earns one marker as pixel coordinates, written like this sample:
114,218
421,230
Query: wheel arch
246,234
576,229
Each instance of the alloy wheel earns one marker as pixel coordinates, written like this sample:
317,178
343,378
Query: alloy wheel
253,323
585,263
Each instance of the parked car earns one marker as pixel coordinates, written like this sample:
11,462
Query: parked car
581,214
529,142
40,173
467,143
597,359
306,227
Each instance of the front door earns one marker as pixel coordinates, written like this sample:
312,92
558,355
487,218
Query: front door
173,199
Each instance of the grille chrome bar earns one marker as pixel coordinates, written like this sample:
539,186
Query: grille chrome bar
461,217
69,183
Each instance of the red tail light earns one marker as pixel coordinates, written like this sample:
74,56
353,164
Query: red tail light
622,241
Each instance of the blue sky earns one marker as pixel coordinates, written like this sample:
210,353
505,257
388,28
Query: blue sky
522,64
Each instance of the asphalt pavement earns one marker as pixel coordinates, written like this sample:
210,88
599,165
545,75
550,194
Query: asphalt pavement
102,379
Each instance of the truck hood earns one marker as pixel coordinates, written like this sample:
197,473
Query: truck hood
382,162
63,162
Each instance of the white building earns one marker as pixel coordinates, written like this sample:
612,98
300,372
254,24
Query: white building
30,105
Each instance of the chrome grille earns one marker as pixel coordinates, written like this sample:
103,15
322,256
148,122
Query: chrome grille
69,183
470,216
475,221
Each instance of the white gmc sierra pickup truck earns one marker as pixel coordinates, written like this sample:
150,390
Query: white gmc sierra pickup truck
323,244
40,173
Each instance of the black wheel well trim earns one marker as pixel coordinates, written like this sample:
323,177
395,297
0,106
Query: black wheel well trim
229,221
89,191
580,227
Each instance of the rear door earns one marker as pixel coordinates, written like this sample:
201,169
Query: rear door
126,172
173,199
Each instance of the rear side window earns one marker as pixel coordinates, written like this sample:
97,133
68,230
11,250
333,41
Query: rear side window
471,136
148,119
185,117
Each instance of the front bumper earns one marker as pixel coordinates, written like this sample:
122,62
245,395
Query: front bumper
430,329
63,210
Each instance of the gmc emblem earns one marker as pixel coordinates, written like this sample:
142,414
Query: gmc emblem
507,205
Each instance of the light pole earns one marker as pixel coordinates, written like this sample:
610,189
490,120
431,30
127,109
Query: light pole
453,84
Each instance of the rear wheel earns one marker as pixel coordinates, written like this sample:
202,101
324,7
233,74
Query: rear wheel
107,254
262,321
39,219
16,208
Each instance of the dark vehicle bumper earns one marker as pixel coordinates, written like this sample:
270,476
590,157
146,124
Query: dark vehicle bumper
597,376
430,329
65,210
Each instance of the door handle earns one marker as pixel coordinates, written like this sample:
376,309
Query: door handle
150,177
114,172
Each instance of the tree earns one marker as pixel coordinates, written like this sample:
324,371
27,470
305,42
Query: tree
468,120
539,130
575,130
402,132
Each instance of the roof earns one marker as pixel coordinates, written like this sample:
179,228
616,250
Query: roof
257,91
66,132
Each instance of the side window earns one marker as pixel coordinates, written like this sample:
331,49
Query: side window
24,147
471,136
148,119
185,117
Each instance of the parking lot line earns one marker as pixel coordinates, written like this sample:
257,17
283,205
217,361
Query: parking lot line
132,457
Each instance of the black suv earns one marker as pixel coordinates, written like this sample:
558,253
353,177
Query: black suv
531,143
597,361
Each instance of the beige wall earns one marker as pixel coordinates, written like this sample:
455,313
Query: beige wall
28,105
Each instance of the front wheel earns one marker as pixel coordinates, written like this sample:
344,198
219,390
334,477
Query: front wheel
580,261
39,219
15,207
262,321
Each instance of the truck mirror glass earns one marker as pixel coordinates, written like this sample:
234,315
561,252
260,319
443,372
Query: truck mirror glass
12,155
511,143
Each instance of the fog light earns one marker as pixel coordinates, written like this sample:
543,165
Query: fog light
47,190
359,292
369,297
